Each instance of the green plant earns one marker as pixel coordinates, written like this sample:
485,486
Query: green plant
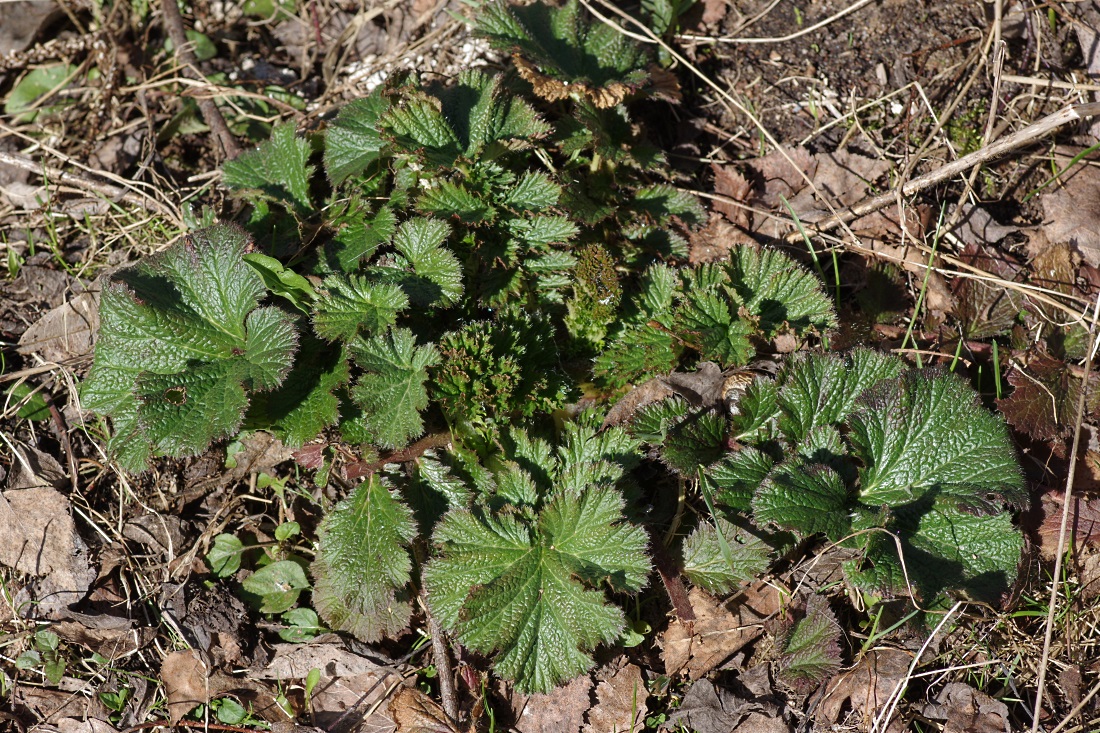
468,260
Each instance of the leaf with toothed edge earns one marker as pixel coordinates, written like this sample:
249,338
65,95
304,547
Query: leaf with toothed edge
182,344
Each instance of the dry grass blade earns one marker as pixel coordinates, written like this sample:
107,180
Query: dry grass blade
1062,530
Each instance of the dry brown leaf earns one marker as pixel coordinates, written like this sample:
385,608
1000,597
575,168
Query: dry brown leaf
778,179
987,309
966,710
842,178
620,696
65,332
109,636
345,678
714,12
662,84
865,689
20,22
648,392
40,537
977,226
414,712
729,182
714,242
1053,266
186,683
1083,525
1071,213
719,630
561,711
51,705
1088,574
75,725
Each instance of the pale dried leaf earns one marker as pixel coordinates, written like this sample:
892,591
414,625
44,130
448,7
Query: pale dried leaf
415,712
841,178
714,242
719,630
621,695
75,725
1071,213
65,332
109,636
185,681
20,22
977,226
866,688
966,710
729,182
778,178
561,711
345,678
40,538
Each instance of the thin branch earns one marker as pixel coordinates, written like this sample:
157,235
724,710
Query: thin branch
429,442
87,184
173,23
1022,138
444,671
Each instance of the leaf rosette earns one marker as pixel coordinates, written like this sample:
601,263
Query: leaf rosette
183,342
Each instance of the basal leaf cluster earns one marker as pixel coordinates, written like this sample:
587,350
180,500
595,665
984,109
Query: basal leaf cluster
491,261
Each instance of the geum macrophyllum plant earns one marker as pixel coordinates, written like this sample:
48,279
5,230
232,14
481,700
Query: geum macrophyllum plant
477,259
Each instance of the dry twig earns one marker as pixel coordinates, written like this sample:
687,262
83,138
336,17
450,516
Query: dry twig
173,23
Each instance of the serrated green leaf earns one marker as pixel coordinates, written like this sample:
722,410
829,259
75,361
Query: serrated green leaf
543,230
707,565
305,404
634,353
392,392
473,118
806,498
652,422
562,53
707,323
359,235
353,304
926,431
699,440
533,192
822,389
757,411
809,648
779,291
663,202
352,141
437,273
738,475
181,345
519,590
363,564
278,585
277,170
447,199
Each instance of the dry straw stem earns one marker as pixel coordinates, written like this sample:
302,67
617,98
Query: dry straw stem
1040,684
1022,138
56,175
